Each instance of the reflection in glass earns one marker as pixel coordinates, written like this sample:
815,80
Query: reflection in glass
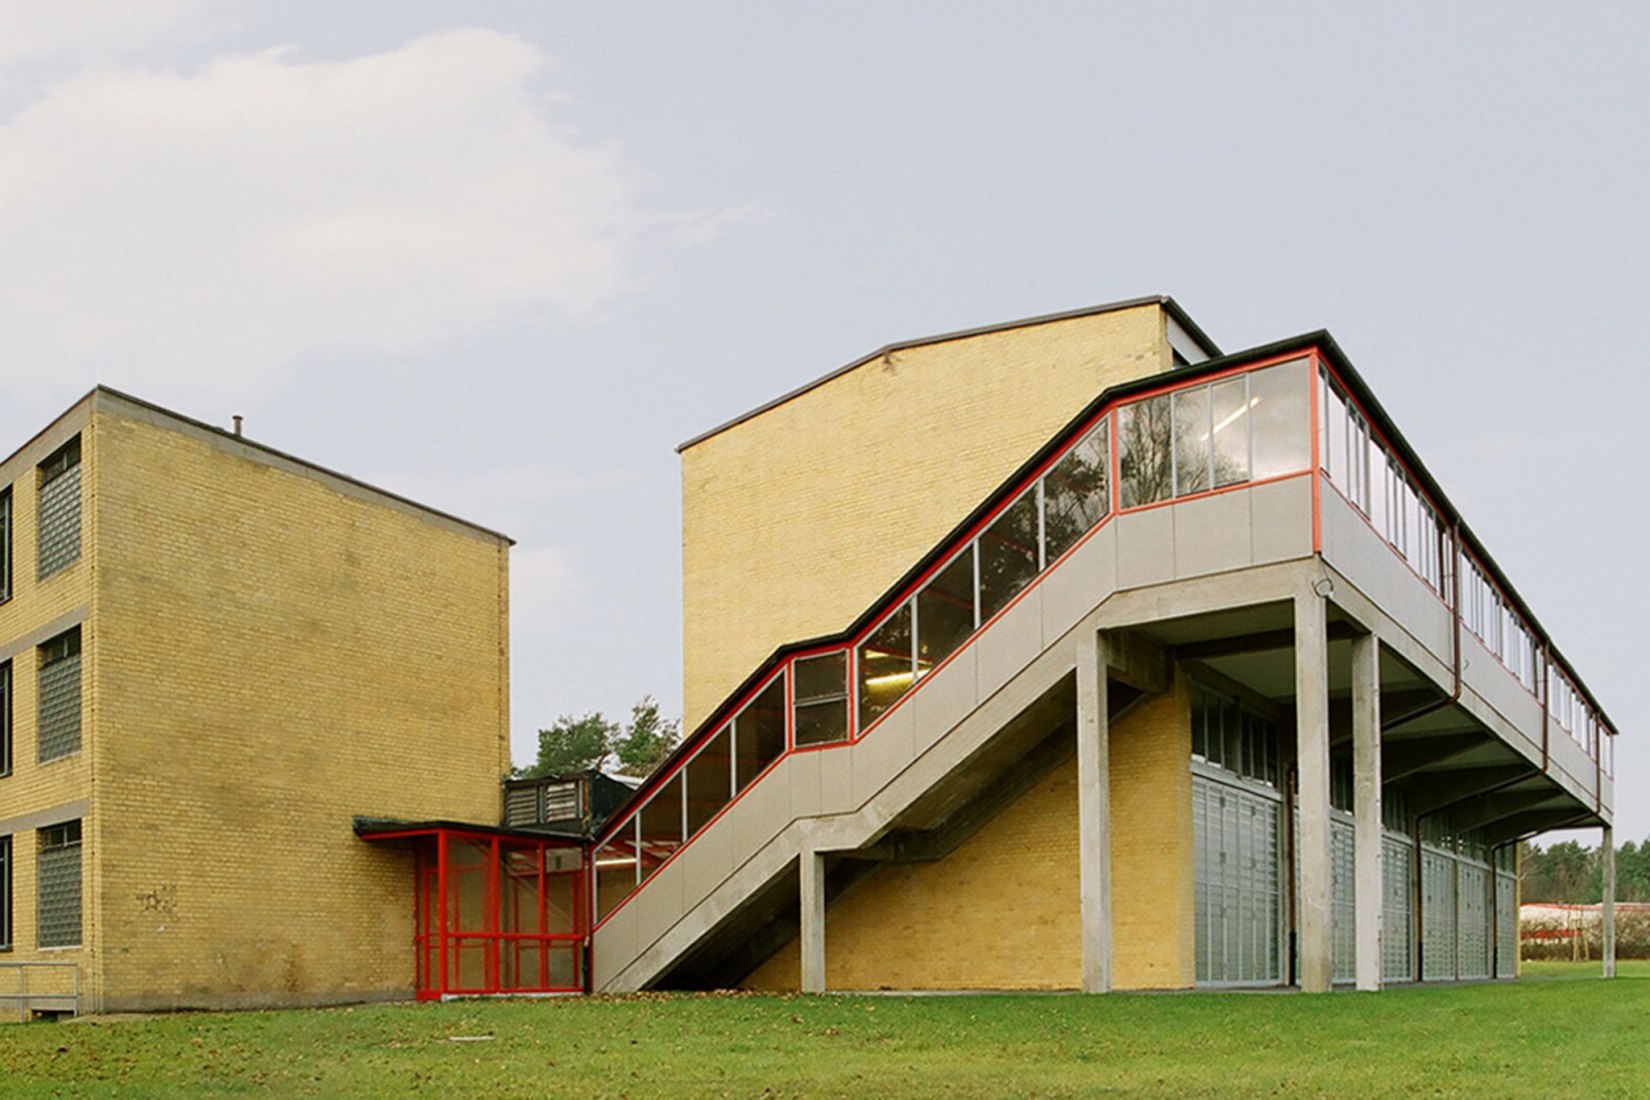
1279,409
945,611
615,869
1008,554
1145,463
1075,493
886,671
1191,440
708,781
822,698
759,732
661,825
1229,411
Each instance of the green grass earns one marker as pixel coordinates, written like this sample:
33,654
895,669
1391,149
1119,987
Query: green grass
1560,1031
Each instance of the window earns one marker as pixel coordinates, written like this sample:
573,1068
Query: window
887,667
5,545
5,717
5,893
58,511
58,871
1076,494
822,698
58,702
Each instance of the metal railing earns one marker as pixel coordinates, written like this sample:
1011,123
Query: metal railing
50,999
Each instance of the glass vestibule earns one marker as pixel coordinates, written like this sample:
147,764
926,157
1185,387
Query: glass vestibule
496,914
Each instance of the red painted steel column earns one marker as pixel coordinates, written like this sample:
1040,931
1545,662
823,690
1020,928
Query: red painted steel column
439,929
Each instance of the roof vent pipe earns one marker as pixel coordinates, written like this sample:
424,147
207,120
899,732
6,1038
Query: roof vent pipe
237,419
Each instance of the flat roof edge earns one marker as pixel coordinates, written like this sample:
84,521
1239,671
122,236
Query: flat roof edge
1169,305
106,393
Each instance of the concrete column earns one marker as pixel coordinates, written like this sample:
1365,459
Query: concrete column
812,937
1094,812
1316,970
1607,850
1366,806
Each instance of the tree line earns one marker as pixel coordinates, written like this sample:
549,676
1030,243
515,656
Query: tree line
1568,872
592,741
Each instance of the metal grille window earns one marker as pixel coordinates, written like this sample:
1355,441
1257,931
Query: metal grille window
1437,914
1506,924
5,893
1397,908
521,806
1238,884
58,716
1472,935
561,801
5,717
58,871
58,512
1343,938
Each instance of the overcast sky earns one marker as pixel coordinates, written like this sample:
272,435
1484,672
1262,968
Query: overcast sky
502,257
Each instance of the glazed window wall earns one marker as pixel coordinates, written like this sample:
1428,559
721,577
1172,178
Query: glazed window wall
498,915
1206,436
1247,427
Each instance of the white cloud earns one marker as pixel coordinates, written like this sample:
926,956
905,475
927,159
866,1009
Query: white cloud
212,227
51,28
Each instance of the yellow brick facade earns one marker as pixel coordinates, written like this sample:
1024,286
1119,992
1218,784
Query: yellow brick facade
1003,912
795,521
269,650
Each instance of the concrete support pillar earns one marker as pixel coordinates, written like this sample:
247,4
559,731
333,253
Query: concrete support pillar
1366,806
812,937
1094,812
1316,969
1607,850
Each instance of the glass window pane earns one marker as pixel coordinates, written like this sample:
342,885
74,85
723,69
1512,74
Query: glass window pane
1191,440
616,869
661,825
885,671
1145,466
708,781
760,732
822,698
1008,554
1076,495
1229,409
945,611
1278,407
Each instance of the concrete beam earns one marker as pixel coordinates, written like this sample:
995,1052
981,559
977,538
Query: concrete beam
1491,808
1366,804
1138,661
1431,793
1094,809
1402,759
1607,849
1316,969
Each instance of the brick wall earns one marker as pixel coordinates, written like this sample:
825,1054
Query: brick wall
275,655
793,522
1002,911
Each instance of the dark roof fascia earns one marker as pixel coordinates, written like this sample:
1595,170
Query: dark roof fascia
368,827
1169,305
1319,340
241,440
1450,513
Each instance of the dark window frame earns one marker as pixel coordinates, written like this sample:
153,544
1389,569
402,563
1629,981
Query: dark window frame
61,837
55,651
5,717
5,544
5,893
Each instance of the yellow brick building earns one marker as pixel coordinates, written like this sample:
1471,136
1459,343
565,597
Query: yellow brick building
1072,653
215,656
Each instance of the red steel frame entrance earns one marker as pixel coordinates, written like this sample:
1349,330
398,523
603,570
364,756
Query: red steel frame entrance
496,914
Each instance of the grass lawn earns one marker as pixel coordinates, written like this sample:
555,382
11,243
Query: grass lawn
1558,1032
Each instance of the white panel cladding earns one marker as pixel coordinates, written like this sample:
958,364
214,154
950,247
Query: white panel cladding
1236,832
1145,547
1359,554
1280,526
1397,907
1211,534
